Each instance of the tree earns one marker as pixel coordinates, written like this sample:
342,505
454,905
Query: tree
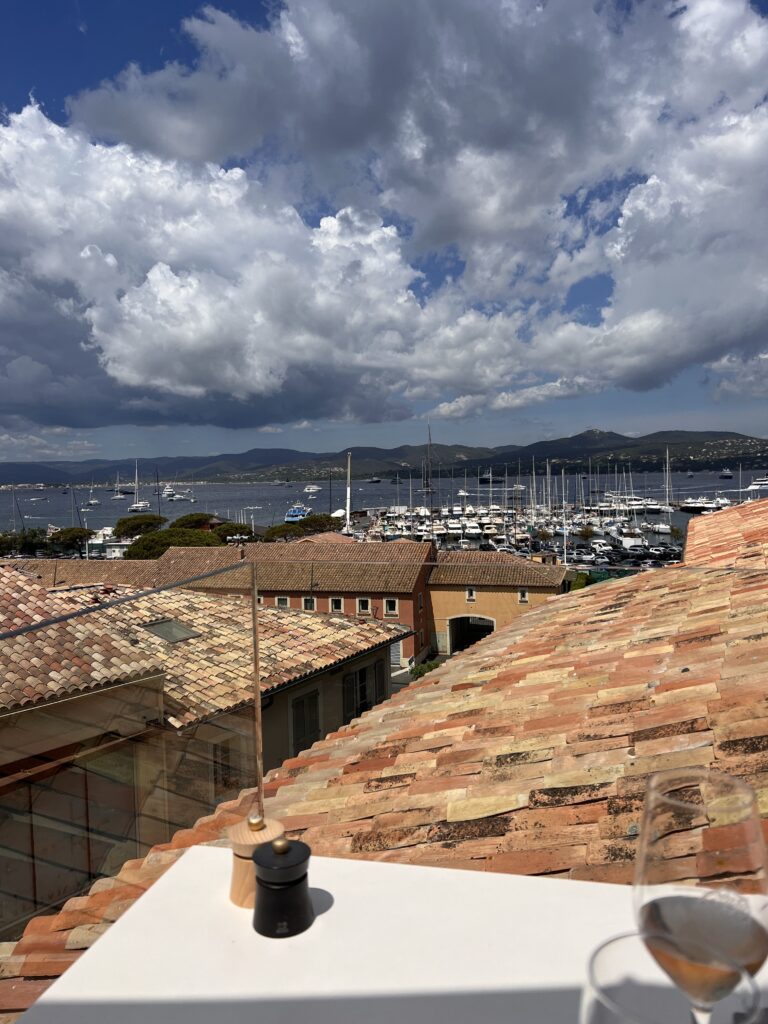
152,545
137,526
321,524
193,521
543,534
586,532
72,538
676,533
227,530
286,531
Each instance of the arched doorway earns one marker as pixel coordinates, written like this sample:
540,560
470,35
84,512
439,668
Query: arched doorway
465,630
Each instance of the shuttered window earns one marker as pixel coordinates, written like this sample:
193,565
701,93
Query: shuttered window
306,721
363,689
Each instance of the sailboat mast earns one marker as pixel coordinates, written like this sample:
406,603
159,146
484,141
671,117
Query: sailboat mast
349,492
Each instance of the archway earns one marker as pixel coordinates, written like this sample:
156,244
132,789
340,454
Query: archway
465,630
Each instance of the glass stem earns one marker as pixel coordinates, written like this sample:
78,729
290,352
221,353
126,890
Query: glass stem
700,1016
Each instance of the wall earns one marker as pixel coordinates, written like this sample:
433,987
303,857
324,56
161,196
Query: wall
501,604
109,784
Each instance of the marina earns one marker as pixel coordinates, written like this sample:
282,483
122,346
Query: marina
577,516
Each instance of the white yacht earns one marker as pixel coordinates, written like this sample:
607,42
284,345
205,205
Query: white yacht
760,483
313,489
138,505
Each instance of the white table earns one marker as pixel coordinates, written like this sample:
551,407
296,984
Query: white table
399,944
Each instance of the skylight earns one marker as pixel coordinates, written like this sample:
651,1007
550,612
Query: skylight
170,630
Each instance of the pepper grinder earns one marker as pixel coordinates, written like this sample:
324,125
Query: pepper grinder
246,836
283,905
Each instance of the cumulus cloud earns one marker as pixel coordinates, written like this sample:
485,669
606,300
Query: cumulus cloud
538,144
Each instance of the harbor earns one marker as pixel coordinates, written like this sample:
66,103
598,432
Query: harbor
590,518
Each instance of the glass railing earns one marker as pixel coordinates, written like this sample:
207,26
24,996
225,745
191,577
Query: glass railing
129,714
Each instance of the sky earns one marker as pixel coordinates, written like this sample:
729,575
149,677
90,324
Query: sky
321,223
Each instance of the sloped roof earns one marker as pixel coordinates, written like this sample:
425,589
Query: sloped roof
338,568
327,537
736,537
492,569
212,671
58,661
527,753
141,574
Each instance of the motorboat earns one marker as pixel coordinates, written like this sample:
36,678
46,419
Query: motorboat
296,513
312,489
760,483
725,474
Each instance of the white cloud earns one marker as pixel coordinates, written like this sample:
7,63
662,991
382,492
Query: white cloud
469,125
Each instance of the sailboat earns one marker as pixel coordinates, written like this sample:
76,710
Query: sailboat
91,500
139,506
119,494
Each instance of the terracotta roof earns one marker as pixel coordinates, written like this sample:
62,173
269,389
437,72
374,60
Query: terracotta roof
493,569
55,662
212,672
736,537
325,538
340,568
526,753
140,574
69,572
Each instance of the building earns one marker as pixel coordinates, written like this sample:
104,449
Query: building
122,726
472,593
371,581
528,753
449,599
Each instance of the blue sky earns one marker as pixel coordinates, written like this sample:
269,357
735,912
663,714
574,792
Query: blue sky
517,253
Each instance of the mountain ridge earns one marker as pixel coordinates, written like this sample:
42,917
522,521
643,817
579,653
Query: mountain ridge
691,448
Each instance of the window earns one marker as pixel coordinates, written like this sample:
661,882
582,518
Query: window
337,604
522,596
470,594
308,603
363,606
170,630
421,600
306,721
259,599
390,607
225,774
421,639
282,602
362,689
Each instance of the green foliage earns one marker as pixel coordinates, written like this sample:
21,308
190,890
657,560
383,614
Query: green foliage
286,531
543,534
227,530
676,533
137,526
305,528
26,543
586,532
72,538
152,545
580,580
193,521
422,668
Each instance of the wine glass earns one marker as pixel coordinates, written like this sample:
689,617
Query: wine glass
701,880
626,985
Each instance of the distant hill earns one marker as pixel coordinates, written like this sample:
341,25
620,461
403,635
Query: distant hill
687,448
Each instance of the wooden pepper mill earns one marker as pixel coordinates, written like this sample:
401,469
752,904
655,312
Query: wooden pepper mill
245,836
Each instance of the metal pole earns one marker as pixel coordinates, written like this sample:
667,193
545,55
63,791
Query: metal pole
257,733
